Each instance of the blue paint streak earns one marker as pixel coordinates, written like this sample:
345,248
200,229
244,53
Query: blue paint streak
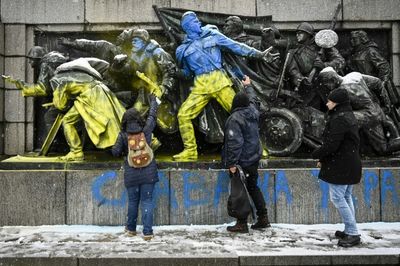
97,186
324,187
264,187
282,186
389,186
163,190
188,186
222,187
371,182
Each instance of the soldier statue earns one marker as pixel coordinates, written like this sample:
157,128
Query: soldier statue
47,64
92,102
117,80
149,58
366,58
367,95
200,56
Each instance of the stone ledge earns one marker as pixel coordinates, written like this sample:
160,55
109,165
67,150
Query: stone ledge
321,260
222,260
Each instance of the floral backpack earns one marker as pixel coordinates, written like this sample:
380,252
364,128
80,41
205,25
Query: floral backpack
139,152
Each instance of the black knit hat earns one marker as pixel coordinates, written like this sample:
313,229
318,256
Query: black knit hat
132,122
241,99
339,96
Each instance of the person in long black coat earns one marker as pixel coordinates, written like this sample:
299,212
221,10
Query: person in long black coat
340,162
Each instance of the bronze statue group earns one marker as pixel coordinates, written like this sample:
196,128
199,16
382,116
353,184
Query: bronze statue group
136,76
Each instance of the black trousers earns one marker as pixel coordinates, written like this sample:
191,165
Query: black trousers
251,173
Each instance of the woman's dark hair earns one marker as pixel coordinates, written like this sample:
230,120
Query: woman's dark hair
132,115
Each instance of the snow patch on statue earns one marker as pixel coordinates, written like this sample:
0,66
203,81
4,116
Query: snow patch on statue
90,65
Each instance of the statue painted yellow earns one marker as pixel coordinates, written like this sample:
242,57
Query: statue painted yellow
93,103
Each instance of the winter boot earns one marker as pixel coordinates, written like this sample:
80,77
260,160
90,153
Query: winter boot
340,234
239,227
148,237
262,222
349,241
130,232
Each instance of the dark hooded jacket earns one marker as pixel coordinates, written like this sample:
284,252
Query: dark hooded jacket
137,176
242,140
339,153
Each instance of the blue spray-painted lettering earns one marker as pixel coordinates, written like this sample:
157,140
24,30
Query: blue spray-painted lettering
324,187
281,185
388,186
163,189
99,183
199,186
371,182
264,187
222,186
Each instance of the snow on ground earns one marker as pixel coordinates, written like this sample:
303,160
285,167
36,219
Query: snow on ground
194,240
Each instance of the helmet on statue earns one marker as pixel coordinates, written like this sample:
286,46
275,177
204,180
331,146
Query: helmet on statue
141,33
306,27
36,52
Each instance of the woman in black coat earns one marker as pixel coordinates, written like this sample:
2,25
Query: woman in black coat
340,162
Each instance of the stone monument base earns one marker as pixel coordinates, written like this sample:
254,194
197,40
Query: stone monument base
38,191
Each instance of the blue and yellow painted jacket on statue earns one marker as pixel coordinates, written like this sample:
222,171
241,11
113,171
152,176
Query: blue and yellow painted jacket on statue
203,55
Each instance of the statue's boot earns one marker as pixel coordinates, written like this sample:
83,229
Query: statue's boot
187,155
189,141
394,145
73,156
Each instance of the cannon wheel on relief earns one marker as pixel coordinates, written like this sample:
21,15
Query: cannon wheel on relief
281,132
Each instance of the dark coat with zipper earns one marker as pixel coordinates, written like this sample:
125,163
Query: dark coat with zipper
242,139
339,153
137,176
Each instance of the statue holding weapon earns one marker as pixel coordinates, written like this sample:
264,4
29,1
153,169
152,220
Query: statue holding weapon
45,64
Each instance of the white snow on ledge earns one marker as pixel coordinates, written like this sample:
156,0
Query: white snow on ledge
193,240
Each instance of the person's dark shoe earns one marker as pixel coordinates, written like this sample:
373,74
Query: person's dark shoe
340,234
262,222
349,241
239,227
